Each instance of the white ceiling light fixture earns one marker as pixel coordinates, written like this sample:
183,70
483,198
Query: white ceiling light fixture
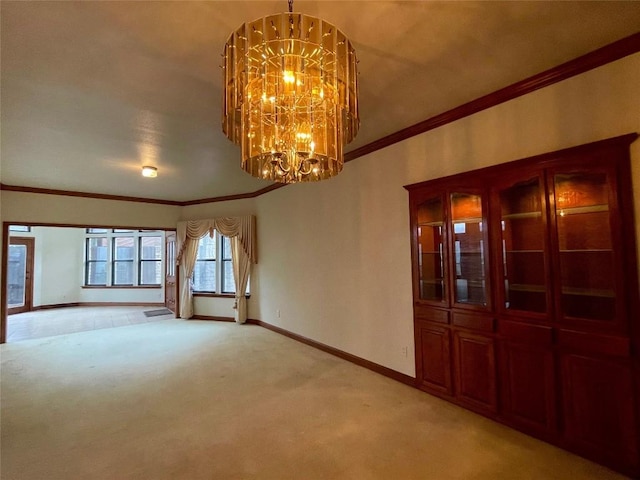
291,97
149,172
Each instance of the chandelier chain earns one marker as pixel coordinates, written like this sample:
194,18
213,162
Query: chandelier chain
290,6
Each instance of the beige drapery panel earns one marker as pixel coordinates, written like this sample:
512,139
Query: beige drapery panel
242,232
241,267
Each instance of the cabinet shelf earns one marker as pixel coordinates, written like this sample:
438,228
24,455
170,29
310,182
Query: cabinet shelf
430,224
578,210
516,216
522,287
467,220
588,292
588,250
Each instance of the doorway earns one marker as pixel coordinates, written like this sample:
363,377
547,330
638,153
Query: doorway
171,273
48,266
20,275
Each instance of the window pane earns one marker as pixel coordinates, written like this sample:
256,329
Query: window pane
207,248
150,248
204,276
19,228
229,284
123,248
226,246
97,230
96,273
115,230
150,272
97,248
16,273
123,273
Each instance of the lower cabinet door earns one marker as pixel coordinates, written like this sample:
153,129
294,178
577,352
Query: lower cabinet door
475,370
528,386
600,409
433,361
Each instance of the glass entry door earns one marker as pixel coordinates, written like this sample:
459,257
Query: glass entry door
19,275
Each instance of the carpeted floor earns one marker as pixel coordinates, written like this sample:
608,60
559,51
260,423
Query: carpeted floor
195,400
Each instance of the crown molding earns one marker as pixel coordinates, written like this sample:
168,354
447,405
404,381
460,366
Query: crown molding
101,196
597,58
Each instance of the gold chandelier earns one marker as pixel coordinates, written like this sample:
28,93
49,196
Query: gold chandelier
291,97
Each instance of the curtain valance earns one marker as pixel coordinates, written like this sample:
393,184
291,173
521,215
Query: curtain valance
241,227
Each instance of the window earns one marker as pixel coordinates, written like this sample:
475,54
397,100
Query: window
96,265
123,253
123,258
19,228
213,271
204,272
150,266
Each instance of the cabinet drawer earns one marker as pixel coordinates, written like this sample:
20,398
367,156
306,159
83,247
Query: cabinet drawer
431,314
474,322
594,343
526,333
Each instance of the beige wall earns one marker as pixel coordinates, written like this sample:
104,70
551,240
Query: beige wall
335,256
20,207
232,208
58,264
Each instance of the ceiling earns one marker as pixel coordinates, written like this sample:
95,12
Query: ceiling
91,91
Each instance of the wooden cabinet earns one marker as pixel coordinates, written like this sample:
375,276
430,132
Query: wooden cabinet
526,297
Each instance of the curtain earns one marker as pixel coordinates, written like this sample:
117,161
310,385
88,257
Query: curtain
189,234
241,230
241,267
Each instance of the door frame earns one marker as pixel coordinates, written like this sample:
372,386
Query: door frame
29,243
174,283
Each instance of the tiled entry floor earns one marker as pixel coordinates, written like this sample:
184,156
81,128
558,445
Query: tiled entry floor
59,321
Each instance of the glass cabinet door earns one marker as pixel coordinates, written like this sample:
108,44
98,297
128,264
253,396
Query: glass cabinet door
587,264
431,284
523,247
468,249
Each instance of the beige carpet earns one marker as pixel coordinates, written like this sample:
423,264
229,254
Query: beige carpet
204,400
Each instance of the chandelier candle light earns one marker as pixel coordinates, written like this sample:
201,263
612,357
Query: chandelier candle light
291,97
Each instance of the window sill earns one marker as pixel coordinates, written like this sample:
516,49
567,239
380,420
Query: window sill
110,287
218,295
